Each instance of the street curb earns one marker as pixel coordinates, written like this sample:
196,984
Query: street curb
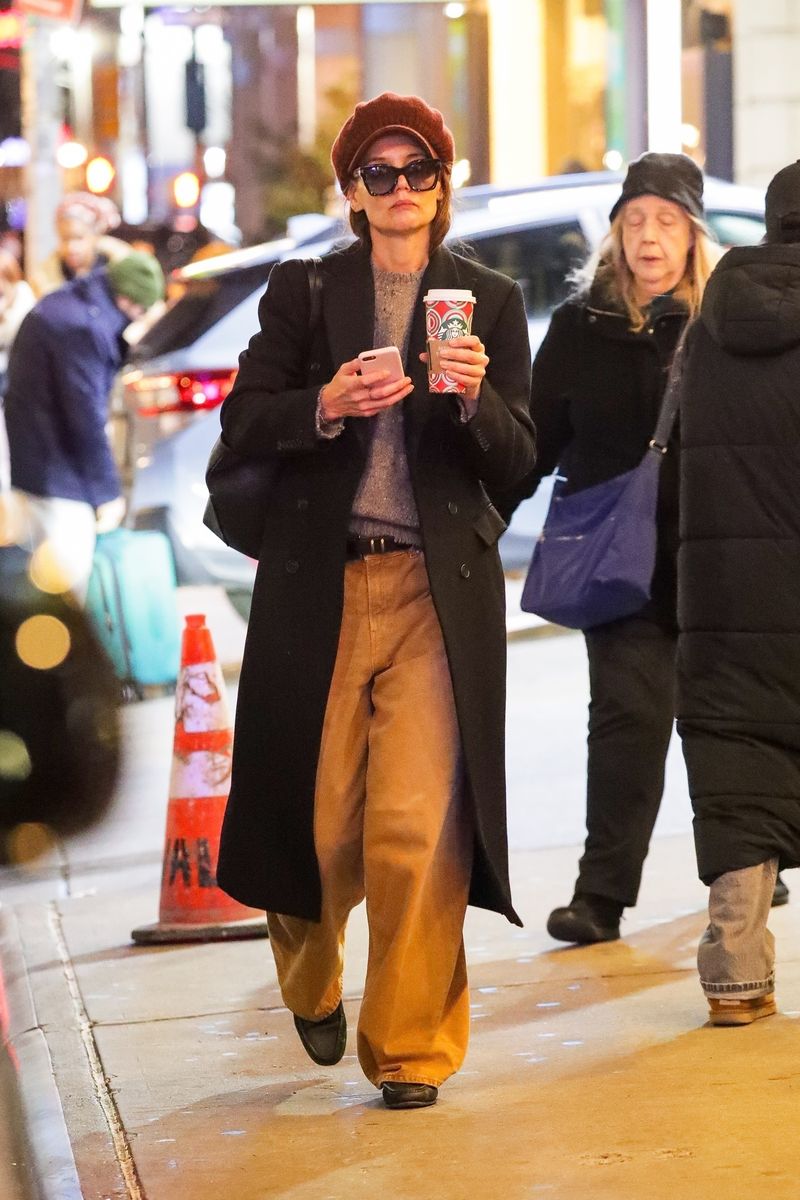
50,1159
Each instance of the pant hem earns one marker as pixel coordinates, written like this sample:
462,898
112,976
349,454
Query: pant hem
324,1017
423,1079
755,988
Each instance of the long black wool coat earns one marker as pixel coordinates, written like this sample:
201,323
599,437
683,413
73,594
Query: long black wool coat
739,563
267,856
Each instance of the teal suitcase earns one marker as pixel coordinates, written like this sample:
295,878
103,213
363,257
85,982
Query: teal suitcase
132,602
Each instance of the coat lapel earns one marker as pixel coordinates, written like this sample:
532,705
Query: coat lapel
349,310
348,304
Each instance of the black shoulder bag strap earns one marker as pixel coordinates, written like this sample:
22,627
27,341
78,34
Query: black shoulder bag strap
239,487
672,398
312,266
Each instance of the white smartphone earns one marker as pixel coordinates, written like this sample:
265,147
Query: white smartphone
385,358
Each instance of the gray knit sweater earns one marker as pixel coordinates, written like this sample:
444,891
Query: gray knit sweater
385,501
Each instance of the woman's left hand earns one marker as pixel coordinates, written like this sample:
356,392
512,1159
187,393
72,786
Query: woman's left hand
465,360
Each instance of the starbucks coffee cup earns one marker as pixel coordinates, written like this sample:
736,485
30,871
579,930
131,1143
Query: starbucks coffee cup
448,314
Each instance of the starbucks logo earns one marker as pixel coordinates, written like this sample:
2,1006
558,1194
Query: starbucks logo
453,327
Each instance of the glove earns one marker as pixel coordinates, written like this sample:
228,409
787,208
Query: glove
110,515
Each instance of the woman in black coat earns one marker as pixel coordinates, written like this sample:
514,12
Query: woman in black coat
369,747
598,382
739,600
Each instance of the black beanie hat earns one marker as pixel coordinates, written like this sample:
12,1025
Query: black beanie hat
674,177
783,205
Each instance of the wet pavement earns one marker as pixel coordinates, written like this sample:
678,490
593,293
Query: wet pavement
175,1072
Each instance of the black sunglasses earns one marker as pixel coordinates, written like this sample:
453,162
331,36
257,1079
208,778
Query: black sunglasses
380,179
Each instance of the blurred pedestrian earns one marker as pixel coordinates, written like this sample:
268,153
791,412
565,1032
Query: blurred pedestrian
739,600
59,724
16,299
598,383
60,755
65,485
83,228
369,742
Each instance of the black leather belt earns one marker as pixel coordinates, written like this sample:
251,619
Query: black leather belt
360,547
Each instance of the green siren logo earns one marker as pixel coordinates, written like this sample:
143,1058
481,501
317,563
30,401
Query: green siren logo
455,326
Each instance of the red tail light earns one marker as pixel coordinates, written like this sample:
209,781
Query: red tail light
188,391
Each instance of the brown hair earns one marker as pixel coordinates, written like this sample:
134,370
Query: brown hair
439,226
608,268
10,269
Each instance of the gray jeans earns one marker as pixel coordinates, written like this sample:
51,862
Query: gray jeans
736,955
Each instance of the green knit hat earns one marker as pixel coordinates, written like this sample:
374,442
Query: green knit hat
137,276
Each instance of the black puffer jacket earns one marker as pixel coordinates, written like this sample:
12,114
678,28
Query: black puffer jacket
739,563
596,393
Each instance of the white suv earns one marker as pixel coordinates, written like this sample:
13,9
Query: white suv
187,363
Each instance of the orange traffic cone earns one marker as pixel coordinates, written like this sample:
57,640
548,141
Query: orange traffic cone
193,908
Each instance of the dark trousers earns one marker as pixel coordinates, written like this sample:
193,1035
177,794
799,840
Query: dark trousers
632,707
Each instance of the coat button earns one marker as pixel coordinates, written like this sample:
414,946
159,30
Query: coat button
592,318
452,508
292,566
302,504
464,571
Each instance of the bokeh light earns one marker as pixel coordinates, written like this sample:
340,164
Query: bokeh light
99,175
71,154
47,572
186,189
15,762
42,642
28,841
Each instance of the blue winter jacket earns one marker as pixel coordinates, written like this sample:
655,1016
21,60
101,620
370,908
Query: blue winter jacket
62,366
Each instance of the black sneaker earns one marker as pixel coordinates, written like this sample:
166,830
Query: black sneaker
324,1041
585,920
781,894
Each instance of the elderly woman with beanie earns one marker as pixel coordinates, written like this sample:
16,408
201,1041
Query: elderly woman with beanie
598,383
64,481
369,747
739,601
83,226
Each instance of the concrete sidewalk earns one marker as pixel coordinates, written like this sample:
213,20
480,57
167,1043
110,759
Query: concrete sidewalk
590,1072
174,1073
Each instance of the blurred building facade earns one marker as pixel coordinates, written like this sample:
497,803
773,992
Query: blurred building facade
247,97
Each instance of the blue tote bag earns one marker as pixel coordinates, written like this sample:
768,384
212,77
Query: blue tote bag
595,557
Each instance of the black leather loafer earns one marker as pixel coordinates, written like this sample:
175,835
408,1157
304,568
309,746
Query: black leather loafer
324,1041
409,1095
583,922
781,894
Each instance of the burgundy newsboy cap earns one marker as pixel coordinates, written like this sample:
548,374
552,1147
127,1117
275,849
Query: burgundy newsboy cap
674,177
389,113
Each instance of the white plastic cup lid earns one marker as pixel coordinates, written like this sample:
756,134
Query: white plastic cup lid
459,294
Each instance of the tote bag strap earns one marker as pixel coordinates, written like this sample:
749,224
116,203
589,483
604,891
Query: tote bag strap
672,398
312,266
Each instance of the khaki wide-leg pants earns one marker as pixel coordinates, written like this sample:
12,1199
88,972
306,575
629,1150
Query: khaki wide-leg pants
391,823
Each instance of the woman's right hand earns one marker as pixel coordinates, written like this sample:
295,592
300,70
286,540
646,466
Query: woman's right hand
351,394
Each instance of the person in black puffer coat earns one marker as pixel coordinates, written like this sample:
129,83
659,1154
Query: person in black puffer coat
739,600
